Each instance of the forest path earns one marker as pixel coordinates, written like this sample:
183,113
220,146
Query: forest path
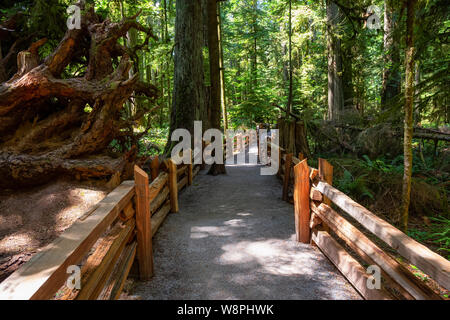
234,238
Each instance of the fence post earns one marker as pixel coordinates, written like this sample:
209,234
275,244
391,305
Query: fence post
287,175
203,165
190,169
143,224
154,167
173,186
257,143
301,202
280,161
326,174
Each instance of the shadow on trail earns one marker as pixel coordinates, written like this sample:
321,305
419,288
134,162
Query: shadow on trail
234,238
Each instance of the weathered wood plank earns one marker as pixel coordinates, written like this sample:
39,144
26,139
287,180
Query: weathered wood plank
196,171
118,287
159,200
348,266
314,174
157,185
143,224
301,202
127,212
326,174
46,272
159,217
173,186
426,260
183,182
382,259
117,279
93,261
181,170
316,195
315,221
94,283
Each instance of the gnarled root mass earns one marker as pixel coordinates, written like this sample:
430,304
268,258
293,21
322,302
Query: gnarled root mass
52,125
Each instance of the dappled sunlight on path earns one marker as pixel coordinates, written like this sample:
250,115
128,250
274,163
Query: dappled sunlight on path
234,238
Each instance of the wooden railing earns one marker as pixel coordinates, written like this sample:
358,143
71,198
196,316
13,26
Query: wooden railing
104,241
318,223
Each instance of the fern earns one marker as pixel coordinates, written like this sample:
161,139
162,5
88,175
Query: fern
354,186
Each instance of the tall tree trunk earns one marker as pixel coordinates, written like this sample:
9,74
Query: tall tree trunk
289,104
347,75
391,72
214,71
409,102
335,88
222,71
188,103
254,61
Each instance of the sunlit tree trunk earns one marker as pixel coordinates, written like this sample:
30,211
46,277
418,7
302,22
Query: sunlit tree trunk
409,102
222,71
289,104
214,71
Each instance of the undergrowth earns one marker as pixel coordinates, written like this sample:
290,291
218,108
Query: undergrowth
377,184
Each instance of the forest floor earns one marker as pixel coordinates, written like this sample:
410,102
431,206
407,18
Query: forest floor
32,219
234,238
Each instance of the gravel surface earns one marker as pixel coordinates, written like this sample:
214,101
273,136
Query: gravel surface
234,238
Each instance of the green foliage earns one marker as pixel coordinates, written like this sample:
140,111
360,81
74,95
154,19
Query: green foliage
438,234
355,186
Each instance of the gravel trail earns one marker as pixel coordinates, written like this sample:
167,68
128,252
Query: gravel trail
234,239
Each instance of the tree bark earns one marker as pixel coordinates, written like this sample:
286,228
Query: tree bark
222,71
289,103
214,71
44,128
188,103
409,103
335,87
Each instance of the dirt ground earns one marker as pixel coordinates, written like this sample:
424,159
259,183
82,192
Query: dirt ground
32,219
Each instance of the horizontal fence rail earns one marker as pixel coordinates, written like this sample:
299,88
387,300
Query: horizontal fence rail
312,193
105,242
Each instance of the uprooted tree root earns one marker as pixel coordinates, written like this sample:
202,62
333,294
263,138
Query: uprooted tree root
44,129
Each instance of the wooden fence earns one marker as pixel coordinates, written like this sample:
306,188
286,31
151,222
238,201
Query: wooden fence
318,223
104,241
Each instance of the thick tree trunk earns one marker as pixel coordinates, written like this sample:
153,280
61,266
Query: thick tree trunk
409,102
335,87
44,128
188,103
214,71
